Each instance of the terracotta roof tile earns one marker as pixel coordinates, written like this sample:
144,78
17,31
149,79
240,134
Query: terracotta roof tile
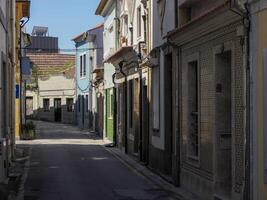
53,63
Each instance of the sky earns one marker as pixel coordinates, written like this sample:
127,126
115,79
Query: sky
65,19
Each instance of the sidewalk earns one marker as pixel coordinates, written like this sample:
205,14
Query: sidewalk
150,176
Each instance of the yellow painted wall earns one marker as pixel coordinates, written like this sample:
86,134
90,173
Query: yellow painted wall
19,15
262,44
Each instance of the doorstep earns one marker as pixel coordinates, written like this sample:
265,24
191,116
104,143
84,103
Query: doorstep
152,177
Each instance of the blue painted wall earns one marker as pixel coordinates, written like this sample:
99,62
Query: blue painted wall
92,47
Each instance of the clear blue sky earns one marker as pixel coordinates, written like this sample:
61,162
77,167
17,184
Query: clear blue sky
64,18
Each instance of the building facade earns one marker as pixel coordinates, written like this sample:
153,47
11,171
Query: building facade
181,102
131,78
89,55
50,94
7,78
109,10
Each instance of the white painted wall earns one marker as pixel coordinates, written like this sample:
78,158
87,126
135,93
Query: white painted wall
156,40
56,87
3,38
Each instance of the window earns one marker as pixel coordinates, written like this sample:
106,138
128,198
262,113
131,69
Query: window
156,96
139,26
81,66
131,103
69,102
176,8
193,110
111,104
185,15
84,65
46,105
126,26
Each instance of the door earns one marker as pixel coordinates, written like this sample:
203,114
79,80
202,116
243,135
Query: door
100,112
144,121
57,108
168,105
223,124
82,99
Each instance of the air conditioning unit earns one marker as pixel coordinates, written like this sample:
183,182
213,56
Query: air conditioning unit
3,160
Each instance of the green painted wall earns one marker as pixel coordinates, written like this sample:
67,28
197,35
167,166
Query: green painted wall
109,116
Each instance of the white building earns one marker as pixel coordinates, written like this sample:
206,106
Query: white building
7,86
51,92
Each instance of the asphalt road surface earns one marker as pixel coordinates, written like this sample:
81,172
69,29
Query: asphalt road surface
69,164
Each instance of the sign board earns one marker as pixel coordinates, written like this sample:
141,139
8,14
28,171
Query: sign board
265,113
17,92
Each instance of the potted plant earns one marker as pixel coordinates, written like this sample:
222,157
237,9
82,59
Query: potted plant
28,131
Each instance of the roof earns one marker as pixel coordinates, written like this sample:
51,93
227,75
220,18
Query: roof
82,34
100,7
53,63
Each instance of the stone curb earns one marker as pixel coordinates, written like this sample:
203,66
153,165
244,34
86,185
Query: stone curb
149,175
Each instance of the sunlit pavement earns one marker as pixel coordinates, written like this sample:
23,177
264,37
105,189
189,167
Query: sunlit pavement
69,164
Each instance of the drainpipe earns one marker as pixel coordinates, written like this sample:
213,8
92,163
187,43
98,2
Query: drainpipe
125,107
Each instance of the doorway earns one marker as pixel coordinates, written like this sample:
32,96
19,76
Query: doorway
223,125
168,113
144,123
57,108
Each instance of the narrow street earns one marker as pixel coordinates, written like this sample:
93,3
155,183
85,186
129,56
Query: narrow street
66,163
